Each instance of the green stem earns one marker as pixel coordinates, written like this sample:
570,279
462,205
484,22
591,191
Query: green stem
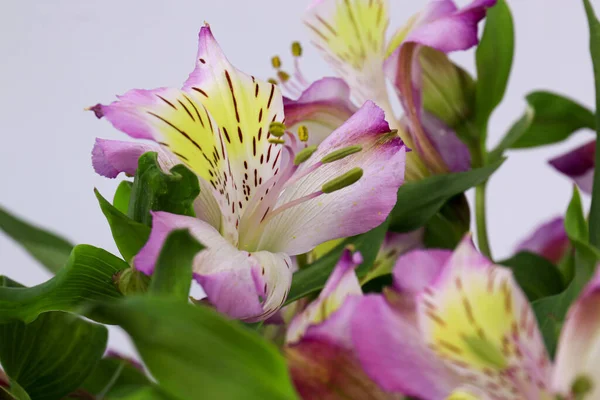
481,220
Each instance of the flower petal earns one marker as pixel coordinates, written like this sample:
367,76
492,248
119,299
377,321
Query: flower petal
549,240
341,283
351,36
453,151
249,286
477,320
393,354
418,269
578,165
322,108
578,354
349,211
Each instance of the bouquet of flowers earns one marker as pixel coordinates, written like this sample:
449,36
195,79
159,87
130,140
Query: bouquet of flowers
328,231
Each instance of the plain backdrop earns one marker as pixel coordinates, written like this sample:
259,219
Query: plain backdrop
59,56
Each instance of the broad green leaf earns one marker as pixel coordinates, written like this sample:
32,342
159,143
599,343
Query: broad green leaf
129,235
122,196
115,375
53,355
448,226
173,273
493,58
418,201
155,190
139,393
537,276
87,276
193,351
50,250
14,392
549,118
312,278
594,25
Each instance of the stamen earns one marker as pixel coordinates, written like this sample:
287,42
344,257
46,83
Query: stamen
276,141
304,154
296,49
289,205
581,386
276,62
343,181
341,153
273,81
277,129
283,76
303,133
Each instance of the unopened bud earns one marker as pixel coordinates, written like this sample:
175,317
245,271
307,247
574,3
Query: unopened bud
296,49
343,181
303,133
276,62
131,281
304,154
341,153
277,129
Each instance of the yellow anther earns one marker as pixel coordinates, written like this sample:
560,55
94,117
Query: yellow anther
303,133
277,129
283,76
272,81
276,141
296,49
276,62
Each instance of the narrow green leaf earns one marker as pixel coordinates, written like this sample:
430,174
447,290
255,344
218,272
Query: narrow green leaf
50,250
129,235
549,118
537,276
194,351
14,392
419,201
575,223
313,277
173,274
122,196
154,190
594,25
494,57
87,276
448,227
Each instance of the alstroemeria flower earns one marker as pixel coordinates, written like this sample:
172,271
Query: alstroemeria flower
319,350
351,36
578,165
471,333
261,199
549,240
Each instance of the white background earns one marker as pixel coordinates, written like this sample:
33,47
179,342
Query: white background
59,56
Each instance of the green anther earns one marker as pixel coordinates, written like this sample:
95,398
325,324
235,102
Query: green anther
272,81
276,141
277,129
304,154
343,181
581,387
276,62
341,153
283,76
303,133
296,49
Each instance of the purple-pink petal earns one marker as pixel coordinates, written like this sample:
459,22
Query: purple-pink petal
453,151
549,240
578,165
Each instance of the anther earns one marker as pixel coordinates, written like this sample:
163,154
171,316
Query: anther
296,49
276,62
341,153
581,386
304,154
303,133
277,129
283,76
276,141
272,81
343,181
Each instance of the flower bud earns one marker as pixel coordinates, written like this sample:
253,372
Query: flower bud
131,281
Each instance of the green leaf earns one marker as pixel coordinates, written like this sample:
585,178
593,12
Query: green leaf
493,57
122,196
418,201
87,276
312,278
537,276
154,190
448,227
49,249
113,375
594,25
575,223
129,235
173,273
549,118
14,392
194,351
53,355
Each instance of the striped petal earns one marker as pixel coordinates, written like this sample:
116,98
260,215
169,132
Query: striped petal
578,165
578,354
322,108
549,240
351,36
478,321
